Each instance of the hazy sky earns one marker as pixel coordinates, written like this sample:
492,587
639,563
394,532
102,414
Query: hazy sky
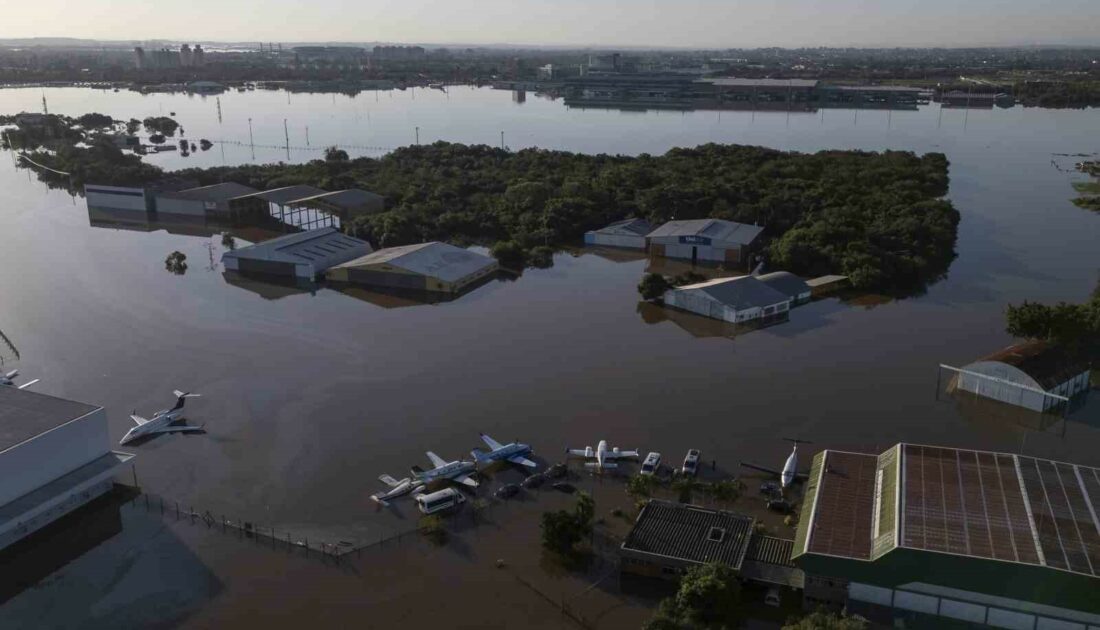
680,23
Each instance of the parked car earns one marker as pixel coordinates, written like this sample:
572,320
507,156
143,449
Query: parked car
771,489
691,463
567,488
557,471
507,491
534,481
779,505
651,464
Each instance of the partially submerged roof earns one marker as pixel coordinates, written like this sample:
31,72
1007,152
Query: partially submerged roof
824,280
322,248
714,229
215,192
627,227
690,533
286,194
1048,363
25,414
349,199
740,292
978,504
785,282
438,260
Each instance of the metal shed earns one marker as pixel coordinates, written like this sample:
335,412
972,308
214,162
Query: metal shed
788,284
713,240
433,266
265,204
742,299
206,201
301,255
1036,375
669,538
346,204
629,233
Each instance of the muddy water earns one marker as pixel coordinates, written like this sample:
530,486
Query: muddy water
308,397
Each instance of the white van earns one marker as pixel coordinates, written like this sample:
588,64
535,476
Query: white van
439,501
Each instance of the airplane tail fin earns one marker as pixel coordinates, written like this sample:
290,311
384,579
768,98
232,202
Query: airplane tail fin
417,469
479,455
12,374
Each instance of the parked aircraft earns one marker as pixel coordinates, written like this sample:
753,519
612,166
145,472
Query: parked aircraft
397,489
9,380
162,421
603,455
789,474
513,452
455,471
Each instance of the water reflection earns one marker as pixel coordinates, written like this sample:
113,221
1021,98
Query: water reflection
270,287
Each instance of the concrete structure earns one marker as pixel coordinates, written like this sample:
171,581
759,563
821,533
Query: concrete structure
303,255
628,233
713,240
55,455
435,267
1036,375
739,300
205,201
345,204
930,537
789,285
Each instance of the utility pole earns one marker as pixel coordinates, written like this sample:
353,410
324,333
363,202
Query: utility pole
307,135
251,142
502,140
218,99
418,136
286,135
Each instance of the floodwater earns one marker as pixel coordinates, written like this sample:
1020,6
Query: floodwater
308,397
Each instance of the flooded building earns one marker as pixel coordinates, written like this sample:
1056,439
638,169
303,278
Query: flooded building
55,456
739,300
435,267
825,285
930,537
628,233
205,201
713,240
303,255
1036,375
345,204
261,205
789,285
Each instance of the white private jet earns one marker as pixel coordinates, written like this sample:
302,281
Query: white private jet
458,471
9,380
790,473
513,452
602,454
397,489
162,421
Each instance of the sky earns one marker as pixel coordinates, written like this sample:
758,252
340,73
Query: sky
637,23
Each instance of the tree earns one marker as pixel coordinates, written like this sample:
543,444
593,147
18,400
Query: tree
653,286
509,254
562,530
708,598
335,154
640,486
824,620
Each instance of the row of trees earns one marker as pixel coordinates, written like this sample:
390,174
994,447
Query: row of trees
1073,325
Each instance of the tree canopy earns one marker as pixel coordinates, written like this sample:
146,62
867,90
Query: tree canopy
709,598
563,530
824,620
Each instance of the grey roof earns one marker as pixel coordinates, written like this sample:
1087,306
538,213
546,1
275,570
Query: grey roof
286,194
715,229
822,280
627,227
740,293
351,198
25,414
322,248
785,282
690,533
880,88
438,260
215,192
764,83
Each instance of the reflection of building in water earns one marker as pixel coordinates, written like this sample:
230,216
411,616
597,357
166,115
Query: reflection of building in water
695,325
55,456
615,254
1035,375
270,288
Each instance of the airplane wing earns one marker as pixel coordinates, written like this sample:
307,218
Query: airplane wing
187,429
522,461
493,444
138,420
466,481
388,480
620,454
28,384
579,452
437,461
760,468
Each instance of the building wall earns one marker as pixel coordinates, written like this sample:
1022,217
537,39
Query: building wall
190,207
115,197
26,466
615,240
1011,394
62,506
382,276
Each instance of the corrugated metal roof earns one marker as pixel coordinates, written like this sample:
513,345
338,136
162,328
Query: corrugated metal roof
690,533
715,229
628,227
25,414
785,282
771,550
438,260
286,194
350,199
1048,363
322,248
214,192
822,280
844,506
741,292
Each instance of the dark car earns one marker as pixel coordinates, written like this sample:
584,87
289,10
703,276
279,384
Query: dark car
779,505
507,491
557,471
567,488
771,489
534,481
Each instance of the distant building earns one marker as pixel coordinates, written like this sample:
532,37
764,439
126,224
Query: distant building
186,60
205,87
55,456
788,284
712,240
165,58
739,300
1032,375
629,233
605,63
307,55
545,73
205,201
303,255
139,58
434,267
198,56
398,53
931,537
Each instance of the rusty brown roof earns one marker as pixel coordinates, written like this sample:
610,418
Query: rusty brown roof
1048,363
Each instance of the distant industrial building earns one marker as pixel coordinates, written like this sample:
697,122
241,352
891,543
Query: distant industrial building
303,255
788,284
398,53
755,91
931,537
739,300
713,240
1036,375
55,456
306,55
434,267
628,233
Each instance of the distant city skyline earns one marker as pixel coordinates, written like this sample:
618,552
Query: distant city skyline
605,23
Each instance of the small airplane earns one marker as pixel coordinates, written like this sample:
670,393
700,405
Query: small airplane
789,474
162,421
9,380
513,452
602,454
397,489
455,471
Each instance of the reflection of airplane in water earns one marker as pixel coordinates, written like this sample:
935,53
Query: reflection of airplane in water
604,455
790,474
162,421
9,380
